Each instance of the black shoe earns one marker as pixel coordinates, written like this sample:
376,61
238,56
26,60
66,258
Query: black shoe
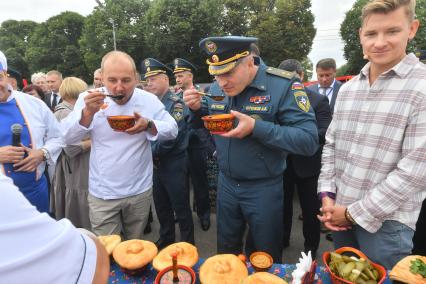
147,229
205,224
162,243
329,237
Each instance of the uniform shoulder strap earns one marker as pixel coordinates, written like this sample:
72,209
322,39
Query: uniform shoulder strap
281,73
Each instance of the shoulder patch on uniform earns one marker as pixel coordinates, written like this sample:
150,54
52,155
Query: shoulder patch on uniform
177,112
302,100
280,73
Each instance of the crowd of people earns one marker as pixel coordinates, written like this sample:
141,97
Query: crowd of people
355,153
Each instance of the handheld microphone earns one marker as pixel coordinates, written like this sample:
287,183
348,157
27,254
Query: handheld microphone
16,134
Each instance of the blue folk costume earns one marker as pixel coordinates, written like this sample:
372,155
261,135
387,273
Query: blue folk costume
40,124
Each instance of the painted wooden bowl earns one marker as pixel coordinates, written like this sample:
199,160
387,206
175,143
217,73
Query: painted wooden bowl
219,123
121,122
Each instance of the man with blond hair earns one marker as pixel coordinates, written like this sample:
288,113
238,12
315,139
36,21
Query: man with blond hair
120,169
374,164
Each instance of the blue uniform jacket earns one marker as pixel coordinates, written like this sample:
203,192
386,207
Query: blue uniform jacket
176,147
285,123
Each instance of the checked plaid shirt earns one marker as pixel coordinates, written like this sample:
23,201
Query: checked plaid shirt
374,158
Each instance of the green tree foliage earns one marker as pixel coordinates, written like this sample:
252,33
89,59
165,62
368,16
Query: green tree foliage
97,37
177,26
285,29
14,36
54,45
163,29
349,32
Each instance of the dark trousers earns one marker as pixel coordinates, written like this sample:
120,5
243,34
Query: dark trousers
419,239
172,196
197,160
257,204
307,191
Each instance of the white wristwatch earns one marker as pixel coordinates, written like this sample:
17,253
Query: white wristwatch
46,154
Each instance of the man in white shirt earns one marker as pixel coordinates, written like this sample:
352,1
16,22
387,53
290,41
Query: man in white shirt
120,171
37,249
29,138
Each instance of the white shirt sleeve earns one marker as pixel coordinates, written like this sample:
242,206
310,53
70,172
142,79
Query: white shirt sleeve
37,249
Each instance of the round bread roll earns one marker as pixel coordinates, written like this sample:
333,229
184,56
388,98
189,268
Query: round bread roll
263,278
187,255
134,254
224,269
110,242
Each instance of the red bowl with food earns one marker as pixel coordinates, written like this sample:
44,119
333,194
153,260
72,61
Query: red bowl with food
219,123
121,122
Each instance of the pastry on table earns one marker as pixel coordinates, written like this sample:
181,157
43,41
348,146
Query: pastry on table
134,254
263,278
187,255
402,271
224,269
110,242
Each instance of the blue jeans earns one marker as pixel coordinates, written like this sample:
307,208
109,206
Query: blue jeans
391,243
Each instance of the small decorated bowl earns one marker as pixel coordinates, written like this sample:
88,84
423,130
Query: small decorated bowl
219,123
121,122
261,261
186,275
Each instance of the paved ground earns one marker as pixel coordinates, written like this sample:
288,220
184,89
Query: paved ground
206,241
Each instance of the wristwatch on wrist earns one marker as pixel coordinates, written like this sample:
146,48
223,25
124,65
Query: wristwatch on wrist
150,124
46,154
348,217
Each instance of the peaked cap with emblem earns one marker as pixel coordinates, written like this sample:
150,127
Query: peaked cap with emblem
224,52
151,67
14,74
421,54
180,65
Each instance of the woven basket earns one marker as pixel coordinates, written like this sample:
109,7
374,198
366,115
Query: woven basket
336,279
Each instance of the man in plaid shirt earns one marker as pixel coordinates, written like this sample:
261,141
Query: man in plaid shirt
373,178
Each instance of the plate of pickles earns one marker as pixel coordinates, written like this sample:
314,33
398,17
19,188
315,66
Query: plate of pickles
351,266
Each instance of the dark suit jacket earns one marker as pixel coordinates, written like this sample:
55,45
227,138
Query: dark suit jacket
336,88
310,166
47,100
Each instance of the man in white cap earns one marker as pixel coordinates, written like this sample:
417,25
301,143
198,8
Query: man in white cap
29,138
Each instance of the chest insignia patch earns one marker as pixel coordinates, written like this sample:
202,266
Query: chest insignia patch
263,109
302,100
260,99
217,107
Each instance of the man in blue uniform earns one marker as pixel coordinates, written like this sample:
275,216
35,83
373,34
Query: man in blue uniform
200,146
171,195
273,118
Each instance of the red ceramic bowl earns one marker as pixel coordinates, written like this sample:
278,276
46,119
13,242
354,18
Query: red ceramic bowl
218,123
186,275
121,122
261,261
338,280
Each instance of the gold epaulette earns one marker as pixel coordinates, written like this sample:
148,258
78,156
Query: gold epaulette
281,73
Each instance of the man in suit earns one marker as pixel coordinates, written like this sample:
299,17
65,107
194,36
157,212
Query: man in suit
302,172
54,81
327,84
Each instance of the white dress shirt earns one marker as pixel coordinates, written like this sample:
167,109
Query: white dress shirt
120,163
43,126
37,249
327,91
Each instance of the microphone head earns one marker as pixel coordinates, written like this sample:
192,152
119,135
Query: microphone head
16,128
